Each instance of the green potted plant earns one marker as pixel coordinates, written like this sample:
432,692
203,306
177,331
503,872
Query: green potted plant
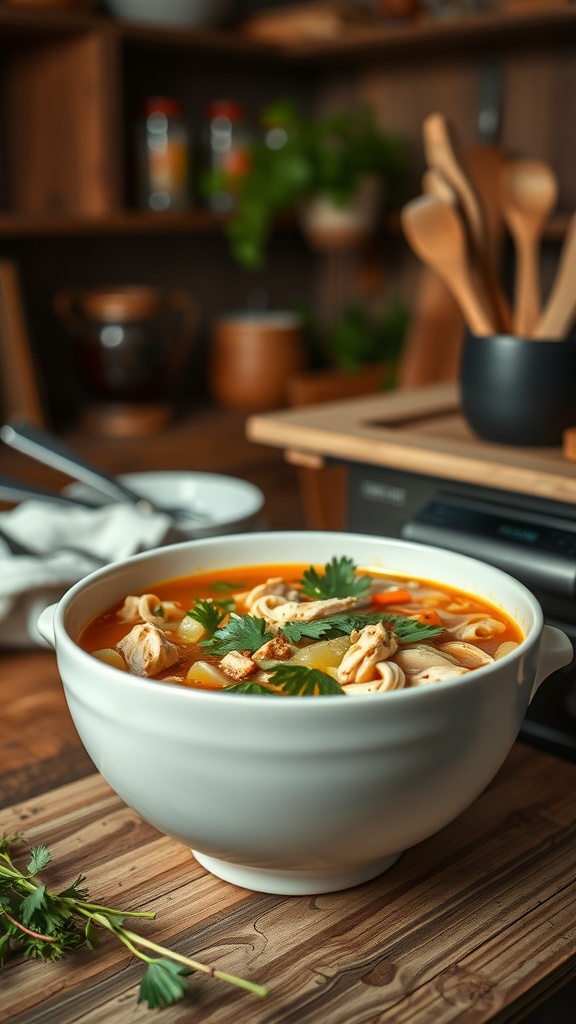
300,158
359,353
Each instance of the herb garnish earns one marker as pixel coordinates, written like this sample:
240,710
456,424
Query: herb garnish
339,580
240,633
405,629
208,613
45,925
291,680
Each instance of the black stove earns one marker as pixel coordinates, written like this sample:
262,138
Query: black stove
531,538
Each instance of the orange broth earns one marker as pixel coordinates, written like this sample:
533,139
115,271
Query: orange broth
105,631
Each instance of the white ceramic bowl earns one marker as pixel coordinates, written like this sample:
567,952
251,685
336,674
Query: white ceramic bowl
191,13
303,795
230,504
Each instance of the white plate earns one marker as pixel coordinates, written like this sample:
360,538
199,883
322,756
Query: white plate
230,504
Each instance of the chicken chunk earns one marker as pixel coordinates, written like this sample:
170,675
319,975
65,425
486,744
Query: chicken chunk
277,649
308,611
237,665
147,650
368,646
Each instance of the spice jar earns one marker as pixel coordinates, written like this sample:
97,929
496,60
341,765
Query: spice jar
228,152
163,156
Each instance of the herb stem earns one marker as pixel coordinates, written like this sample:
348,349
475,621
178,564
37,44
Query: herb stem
28,931
132,940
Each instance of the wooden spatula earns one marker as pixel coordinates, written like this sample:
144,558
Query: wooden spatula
560,310
437,235
444,154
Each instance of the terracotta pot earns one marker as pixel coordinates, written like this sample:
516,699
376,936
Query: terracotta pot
314,386
253,357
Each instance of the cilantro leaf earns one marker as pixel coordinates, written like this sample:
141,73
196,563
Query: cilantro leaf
249,686
76,891
408,630
32,903
241,633
300,681
295,631
339,580
39,858
208,613
162,984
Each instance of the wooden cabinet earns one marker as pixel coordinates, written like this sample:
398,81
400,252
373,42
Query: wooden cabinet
73,83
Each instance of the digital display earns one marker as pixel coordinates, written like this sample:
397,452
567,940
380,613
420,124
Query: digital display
513,531
475,521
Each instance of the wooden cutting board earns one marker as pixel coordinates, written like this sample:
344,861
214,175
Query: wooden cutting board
472,925
419,431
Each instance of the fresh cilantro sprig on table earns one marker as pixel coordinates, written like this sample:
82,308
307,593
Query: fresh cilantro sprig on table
45,925
338,580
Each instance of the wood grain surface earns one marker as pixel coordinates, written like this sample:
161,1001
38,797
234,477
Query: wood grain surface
418,431
474,924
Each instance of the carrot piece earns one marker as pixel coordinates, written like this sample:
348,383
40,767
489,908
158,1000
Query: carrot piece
398,596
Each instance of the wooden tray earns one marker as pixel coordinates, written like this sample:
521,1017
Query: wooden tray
419,431
475,924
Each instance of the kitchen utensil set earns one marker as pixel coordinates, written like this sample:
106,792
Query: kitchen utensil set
448,229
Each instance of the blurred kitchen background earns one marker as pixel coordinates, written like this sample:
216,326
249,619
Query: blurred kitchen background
92,207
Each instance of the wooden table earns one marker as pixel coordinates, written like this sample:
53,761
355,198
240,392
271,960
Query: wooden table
476,924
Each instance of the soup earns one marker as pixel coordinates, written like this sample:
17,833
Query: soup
296,630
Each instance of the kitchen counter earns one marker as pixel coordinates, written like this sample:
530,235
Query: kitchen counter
416,431
474,925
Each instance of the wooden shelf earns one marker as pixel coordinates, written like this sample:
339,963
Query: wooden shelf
119,222
385,36
425,34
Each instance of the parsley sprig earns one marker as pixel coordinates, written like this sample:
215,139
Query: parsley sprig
45,925
239,633
405,629
291,681
339,579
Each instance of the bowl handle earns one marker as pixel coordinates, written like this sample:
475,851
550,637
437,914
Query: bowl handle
556,651
45,624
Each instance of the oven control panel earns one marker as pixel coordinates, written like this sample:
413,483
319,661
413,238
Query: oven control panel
539,550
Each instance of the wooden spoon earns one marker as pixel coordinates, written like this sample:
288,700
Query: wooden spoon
434,184
444,154
528,191
437,235
560,309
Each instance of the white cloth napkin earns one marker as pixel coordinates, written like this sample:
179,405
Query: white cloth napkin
67,544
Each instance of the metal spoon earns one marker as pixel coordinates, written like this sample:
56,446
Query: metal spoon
39,444
436,234
528,191
15,491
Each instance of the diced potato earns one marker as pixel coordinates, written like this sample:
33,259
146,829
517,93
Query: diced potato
322,655
190,631
206,673
110,657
